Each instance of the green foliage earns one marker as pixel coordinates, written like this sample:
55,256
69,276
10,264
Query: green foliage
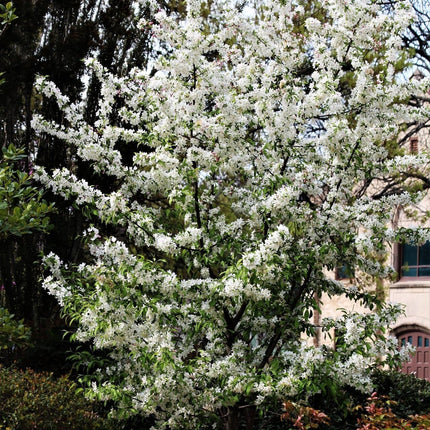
402,402
303,417
379,415
30,400
22,209
13,334
411,394
7,13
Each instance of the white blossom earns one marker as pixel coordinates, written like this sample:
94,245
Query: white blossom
259,153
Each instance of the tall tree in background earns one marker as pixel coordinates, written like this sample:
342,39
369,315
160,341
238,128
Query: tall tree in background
260,158
417,37
51,39
416,40
22,211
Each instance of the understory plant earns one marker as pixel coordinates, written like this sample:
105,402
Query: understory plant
399,401
409,395
31,400
378,414
13,334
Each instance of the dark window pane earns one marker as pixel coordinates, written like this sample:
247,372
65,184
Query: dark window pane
423,271
413,145
408,271
409,255
424,252
403,341
410,340
420,341
344,272
426,341
341,272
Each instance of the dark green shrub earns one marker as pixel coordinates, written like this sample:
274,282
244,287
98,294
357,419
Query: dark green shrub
13,333
340,408
30,400
410,394
378,414
406,395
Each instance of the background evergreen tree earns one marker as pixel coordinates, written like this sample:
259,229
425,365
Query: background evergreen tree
52,39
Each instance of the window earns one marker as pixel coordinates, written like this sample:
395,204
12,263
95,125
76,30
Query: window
415,260
413,145
344,272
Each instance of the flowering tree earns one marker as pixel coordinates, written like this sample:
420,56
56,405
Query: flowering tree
261,159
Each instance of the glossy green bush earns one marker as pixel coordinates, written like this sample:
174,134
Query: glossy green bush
378,414
30,400
22,208
411,394
399,402
13,333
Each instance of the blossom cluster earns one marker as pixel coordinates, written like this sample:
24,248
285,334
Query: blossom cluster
262,142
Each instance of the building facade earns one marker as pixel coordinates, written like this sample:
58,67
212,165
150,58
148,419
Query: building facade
411,288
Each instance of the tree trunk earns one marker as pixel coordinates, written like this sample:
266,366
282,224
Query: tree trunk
239,417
